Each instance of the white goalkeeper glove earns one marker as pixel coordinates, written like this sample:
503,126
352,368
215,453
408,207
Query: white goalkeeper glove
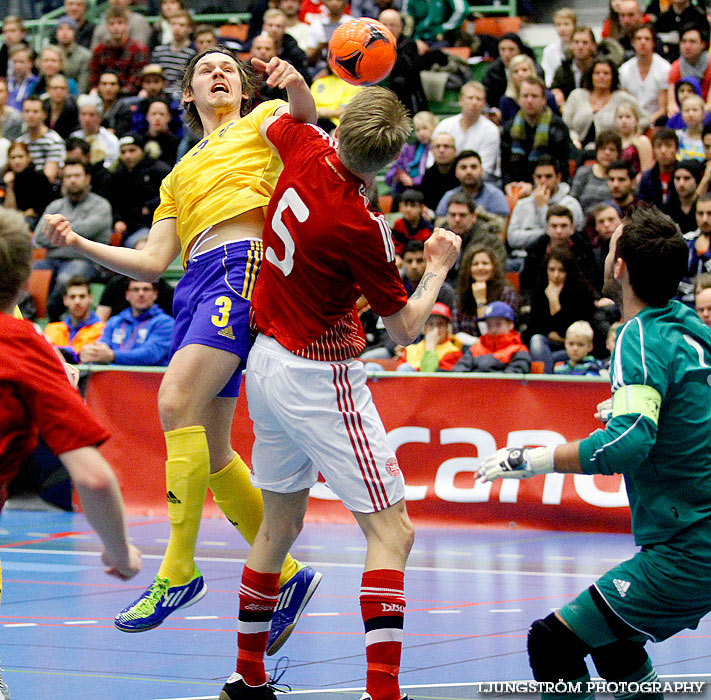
604,410
517,463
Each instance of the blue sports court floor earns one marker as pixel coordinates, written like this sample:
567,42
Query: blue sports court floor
471,595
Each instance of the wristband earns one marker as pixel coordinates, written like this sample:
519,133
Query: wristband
541,460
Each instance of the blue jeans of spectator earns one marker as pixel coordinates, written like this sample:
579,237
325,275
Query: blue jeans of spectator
541,351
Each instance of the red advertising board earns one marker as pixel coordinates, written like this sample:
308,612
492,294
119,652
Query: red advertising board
440,427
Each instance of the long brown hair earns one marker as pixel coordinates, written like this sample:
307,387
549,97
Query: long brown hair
494,286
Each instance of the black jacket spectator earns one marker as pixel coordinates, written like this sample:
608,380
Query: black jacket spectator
68,119
533,267
517,167
670,21
134,194
650,188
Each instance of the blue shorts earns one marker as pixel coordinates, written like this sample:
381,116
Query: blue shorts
211,303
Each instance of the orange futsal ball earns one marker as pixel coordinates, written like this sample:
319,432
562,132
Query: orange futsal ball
362,51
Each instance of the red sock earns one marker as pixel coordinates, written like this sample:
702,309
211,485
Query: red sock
258,596
382,605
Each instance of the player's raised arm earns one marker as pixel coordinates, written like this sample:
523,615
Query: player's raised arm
145,265
283,75
441,251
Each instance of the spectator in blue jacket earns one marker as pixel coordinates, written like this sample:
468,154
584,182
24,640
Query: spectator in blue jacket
139,335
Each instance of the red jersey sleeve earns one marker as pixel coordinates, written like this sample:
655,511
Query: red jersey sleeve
52,406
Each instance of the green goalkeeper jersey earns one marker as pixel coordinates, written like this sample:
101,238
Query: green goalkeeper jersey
659,436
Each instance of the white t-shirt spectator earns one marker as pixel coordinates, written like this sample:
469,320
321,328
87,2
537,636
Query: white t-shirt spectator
646,91
483,137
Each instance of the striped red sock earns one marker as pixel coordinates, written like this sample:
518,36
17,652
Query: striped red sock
258,596
382,605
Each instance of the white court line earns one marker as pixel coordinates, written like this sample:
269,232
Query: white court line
473,684
324,564
444,612
503,555
322,614
81,622
202,617
20,624
506,610
212,544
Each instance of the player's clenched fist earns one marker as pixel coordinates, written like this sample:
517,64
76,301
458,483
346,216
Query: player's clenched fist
517,463
59,231
442,248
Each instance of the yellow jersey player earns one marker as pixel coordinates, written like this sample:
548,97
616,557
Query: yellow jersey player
211,212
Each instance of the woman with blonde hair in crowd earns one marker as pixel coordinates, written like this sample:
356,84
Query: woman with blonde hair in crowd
50,63
481,280
414,158
521,66
636,147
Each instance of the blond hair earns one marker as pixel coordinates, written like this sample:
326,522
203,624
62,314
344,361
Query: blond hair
566,13
373,128
580,329
693,98
427,118
273,12
513,90
15,255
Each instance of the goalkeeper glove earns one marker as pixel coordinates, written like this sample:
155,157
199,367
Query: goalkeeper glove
517,463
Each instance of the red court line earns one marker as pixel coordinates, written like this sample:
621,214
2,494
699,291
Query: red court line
70,533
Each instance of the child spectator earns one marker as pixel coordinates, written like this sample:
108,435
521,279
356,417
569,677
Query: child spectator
578,346
500,349
410,166
438,350
610,340
703,297
565,21
690,142
411,226
683,88
636,147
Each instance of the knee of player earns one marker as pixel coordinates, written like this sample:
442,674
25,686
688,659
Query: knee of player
555,652
174,406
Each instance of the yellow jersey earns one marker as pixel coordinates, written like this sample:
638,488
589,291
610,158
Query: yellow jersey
231,171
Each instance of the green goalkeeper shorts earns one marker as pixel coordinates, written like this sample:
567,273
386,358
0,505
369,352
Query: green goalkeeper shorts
662,590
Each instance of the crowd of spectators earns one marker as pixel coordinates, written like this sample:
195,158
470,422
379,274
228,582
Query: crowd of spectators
534,171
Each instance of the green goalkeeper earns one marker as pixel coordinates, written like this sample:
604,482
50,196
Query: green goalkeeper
659,438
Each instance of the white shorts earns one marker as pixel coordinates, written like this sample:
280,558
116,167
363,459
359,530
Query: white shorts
312,417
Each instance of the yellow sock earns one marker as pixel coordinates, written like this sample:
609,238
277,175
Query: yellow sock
186,474
242,505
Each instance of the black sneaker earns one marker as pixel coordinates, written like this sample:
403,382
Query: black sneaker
237,689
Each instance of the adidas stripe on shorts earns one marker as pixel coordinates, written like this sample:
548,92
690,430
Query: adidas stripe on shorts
311,416
662,590
211,303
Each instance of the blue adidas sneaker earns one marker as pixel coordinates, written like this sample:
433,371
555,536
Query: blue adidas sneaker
158,601
293,597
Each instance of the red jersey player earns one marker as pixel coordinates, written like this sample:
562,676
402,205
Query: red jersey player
311,409
36,399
